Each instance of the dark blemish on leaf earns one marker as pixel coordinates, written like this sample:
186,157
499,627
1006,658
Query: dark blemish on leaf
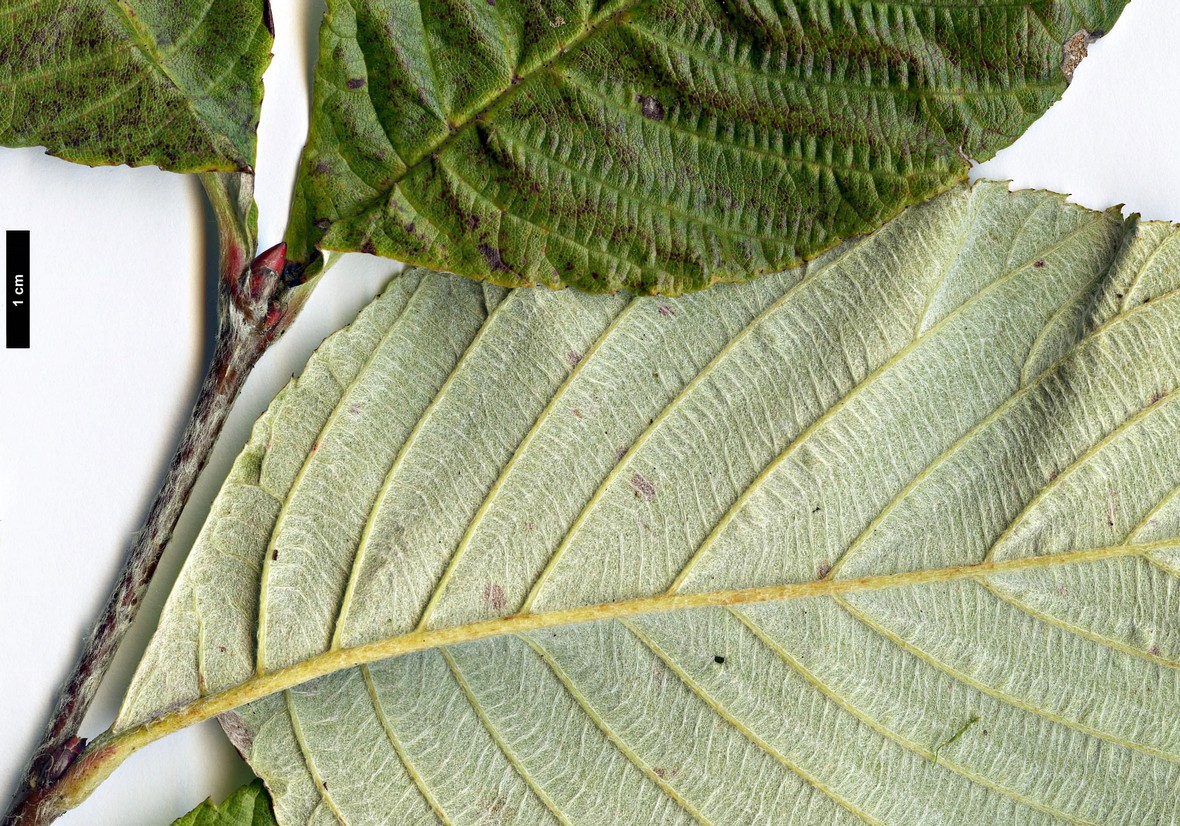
324,783
573,358
322,168
666,311
492,2
1155,397
576,412
1052,475
493,596
472,222
354,409
268,19
493,256
717,658
620,452
816,509
274,555
322,223
644,488
528,527
368,249
355,83
651,108
1040,263
823,569
1153,650
665,774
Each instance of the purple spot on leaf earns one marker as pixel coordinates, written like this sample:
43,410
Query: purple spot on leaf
644,488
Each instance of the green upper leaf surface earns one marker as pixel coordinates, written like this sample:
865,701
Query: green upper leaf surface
175,83
657,145
991,378
248,806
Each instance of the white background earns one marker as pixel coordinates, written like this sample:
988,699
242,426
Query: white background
89,416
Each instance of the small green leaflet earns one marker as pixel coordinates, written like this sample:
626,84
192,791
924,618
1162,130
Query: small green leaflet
248,806
945,458
657,145
175,83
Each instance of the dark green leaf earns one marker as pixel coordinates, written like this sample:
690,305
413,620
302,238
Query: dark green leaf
248,806
176,83
657,146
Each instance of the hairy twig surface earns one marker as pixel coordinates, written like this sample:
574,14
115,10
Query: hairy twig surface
256,303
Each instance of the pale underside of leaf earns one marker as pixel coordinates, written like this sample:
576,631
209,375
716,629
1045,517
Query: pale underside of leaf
657,145
175,83
990,379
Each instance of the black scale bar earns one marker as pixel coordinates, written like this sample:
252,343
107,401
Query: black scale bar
17,279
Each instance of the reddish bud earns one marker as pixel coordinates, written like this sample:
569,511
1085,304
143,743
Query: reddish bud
273,259
64,757
265,269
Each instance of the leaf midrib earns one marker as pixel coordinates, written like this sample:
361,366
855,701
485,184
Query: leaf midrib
333,660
